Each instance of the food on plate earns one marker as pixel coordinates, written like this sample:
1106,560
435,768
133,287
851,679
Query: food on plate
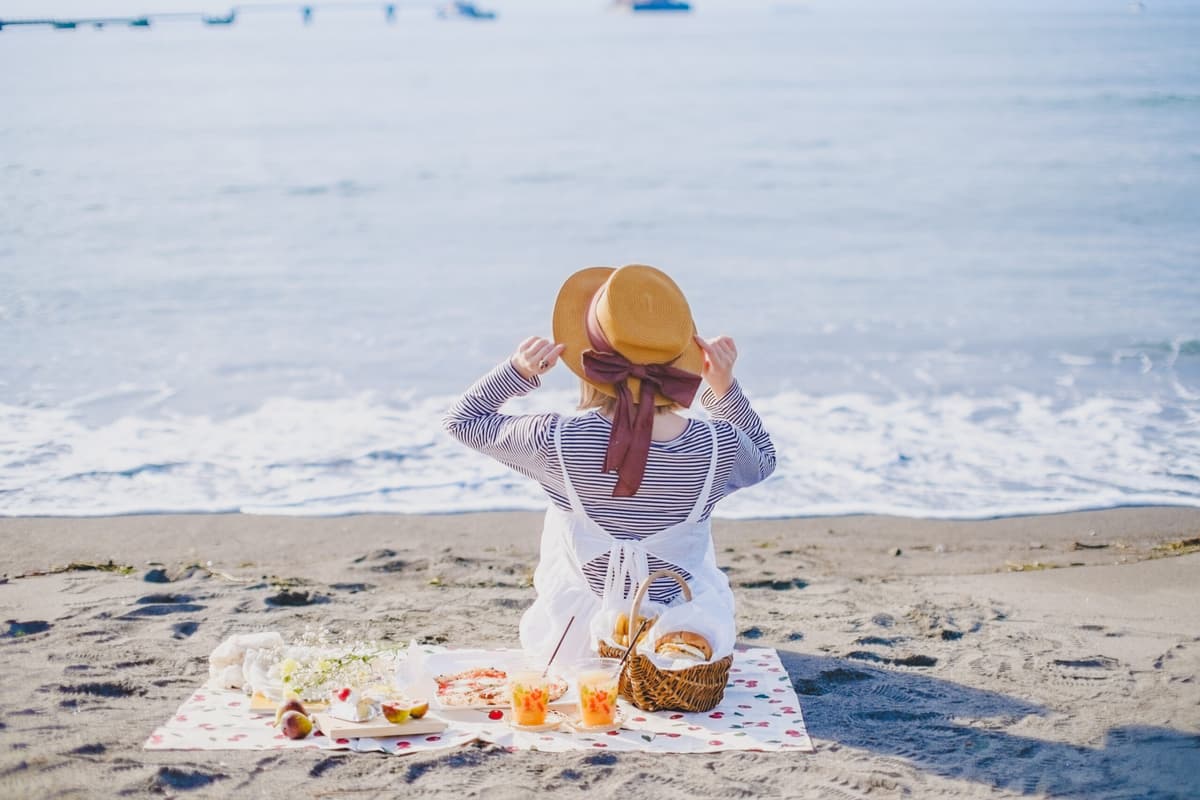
418,711
295,724
351,706
684,644
291,704
530,691
483,686
621,630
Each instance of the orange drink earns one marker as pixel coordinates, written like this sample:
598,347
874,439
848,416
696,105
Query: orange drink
597,679
530,693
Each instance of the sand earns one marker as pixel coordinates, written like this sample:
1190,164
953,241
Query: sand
1044,656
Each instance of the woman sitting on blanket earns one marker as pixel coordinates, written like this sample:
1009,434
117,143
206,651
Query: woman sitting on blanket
631,483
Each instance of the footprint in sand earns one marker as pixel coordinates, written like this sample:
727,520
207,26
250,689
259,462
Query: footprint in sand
287,597
776,585
103,689
182,630
882,641
159,610
170,778
903,661
1091,662
351,588
18,630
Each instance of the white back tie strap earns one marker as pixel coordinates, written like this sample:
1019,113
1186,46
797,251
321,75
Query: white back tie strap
572,495
706,492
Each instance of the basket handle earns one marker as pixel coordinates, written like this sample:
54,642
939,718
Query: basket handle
645,587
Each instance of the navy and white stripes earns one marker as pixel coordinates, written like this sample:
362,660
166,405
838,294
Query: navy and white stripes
675,470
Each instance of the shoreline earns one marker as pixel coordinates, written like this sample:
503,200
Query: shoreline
1045,655
898,513
1136,531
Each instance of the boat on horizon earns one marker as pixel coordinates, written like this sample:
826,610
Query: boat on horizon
638,6
465,10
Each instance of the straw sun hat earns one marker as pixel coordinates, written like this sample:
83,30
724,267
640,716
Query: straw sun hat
638,311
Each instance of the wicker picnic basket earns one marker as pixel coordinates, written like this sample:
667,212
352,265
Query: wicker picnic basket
697,688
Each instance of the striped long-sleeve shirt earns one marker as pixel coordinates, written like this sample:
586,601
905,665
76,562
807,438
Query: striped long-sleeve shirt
675,469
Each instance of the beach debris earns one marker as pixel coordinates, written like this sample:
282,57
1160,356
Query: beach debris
1034,566
897,552
884,620
1179,548
1085,546
81,566
752,633
941,548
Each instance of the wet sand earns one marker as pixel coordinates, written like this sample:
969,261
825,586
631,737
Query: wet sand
1041,656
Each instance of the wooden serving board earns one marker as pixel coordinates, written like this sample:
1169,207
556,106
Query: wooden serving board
261,704
378,728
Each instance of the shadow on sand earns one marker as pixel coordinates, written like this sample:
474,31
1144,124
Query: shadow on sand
958,732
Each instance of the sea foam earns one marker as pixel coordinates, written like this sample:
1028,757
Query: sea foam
935,456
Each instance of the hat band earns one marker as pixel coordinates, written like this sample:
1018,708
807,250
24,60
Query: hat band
633,421
595,333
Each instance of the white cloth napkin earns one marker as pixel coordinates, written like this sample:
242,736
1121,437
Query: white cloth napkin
708,614
226,662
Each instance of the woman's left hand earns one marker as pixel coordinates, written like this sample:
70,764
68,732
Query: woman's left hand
536,356
720,354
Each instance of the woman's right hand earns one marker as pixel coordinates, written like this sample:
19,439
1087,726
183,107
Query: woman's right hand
719,356
536,356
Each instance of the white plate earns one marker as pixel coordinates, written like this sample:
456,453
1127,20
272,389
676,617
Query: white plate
452,661
553,720
618,722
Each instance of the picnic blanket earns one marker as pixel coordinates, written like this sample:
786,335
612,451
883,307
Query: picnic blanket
760,711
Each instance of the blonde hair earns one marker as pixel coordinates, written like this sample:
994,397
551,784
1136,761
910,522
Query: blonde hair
591,397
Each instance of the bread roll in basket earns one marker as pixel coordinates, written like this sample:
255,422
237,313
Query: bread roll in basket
650,688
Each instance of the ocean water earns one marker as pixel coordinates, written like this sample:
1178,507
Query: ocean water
247,268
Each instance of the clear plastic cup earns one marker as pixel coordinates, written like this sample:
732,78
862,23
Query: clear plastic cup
597,679
529,692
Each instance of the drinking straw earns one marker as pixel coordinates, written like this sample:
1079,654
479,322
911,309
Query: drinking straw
561,639
633,642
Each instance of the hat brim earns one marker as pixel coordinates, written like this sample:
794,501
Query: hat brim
569,326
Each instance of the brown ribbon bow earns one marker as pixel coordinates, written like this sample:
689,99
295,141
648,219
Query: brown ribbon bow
629,440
